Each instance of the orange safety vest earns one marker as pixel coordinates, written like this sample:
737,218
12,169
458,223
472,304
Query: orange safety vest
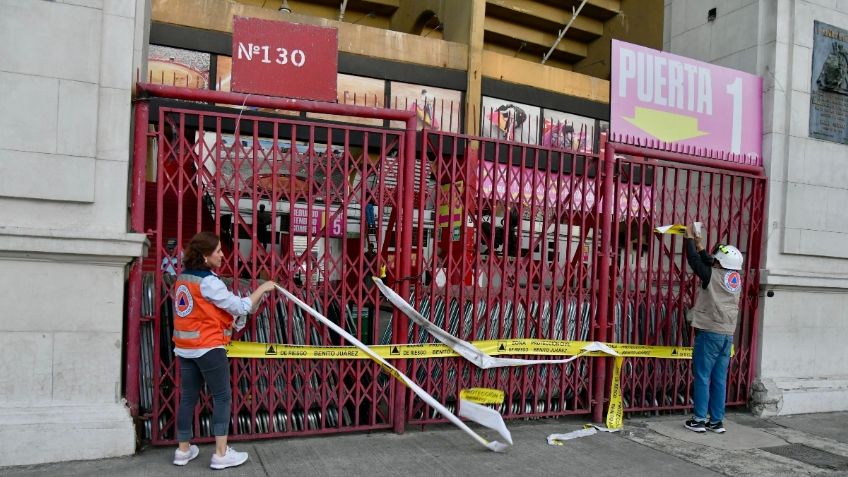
198,323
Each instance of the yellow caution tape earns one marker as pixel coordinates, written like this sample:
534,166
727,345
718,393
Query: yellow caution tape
615,413
486,417
482,395
676,229
525,346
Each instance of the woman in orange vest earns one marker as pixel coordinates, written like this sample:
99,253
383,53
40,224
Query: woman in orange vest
205,312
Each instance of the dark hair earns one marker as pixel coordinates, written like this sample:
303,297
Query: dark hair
200,246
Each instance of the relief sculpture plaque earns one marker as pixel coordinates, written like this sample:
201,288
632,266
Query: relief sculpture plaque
829,84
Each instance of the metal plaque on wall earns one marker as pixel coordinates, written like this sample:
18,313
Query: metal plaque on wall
829,84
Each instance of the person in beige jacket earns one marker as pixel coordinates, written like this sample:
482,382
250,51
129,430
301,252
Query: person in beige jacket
714,316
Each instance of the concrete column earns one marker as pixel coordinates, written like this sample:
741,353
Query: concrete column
473,93
64,245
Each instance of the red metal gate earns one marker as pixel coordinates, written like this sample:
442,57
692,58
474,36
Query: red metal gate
525,246
650,282
504,242
291,199
489,239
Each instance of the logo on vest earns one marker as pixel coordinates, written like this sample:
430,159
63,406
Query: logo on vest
732,281
183,303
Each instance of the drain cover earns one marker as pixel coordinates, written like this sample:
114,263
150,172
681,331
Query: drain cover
810,455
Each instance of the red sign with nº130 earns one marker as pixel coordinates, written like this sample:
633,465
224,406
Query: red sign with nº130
284,59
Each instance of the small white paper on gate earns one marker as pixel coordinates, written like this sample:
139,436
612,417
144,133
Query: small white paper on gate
480,414
598,346
558,439
468,350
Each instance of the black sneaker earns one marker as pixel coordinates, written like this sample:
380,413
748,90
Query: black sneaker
697,426
716,427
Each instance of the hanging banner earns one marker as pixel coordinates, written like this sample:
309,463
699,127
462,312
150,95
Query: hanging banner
659,96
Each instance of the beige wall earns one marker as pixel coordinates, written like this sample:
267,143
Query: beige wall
353,38
396,46
640,22
516,70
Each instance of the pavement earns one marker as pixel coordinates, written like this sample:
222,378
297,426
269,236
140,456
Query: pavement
800,445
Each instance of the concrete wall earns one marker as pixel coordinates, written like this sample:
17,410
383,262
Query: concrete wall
353,38
804,325
639,23
66,72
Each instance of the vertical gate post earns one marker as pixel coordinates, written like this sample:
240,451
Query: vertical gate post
755,247
405,220
134,286
608,197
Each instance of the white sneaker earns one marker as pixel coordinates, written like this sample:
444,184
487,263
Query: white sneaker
182,458
231,459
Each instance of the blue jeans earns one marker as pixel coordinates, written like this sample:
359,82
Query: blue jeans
370,215
214,368
709,366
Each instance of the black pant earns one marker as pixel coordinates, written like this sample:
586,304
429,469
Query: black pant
214,368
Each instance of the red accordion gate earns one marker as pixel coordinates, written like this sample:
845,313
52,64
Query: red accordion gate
489,239
650,282
512,257
291,199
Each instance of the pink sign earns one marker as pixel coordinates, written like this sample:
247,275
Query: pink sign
316,221
665,97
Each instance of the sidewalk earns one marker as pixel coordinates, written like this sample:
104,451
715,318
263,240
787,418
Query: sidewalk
811,444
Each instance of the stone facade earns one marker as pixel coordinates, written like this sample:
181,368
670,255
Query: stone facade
66,76
803,325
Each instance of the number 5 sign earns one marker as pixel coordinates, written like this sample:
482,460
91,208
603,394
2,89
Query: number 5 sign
657,95
284,59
